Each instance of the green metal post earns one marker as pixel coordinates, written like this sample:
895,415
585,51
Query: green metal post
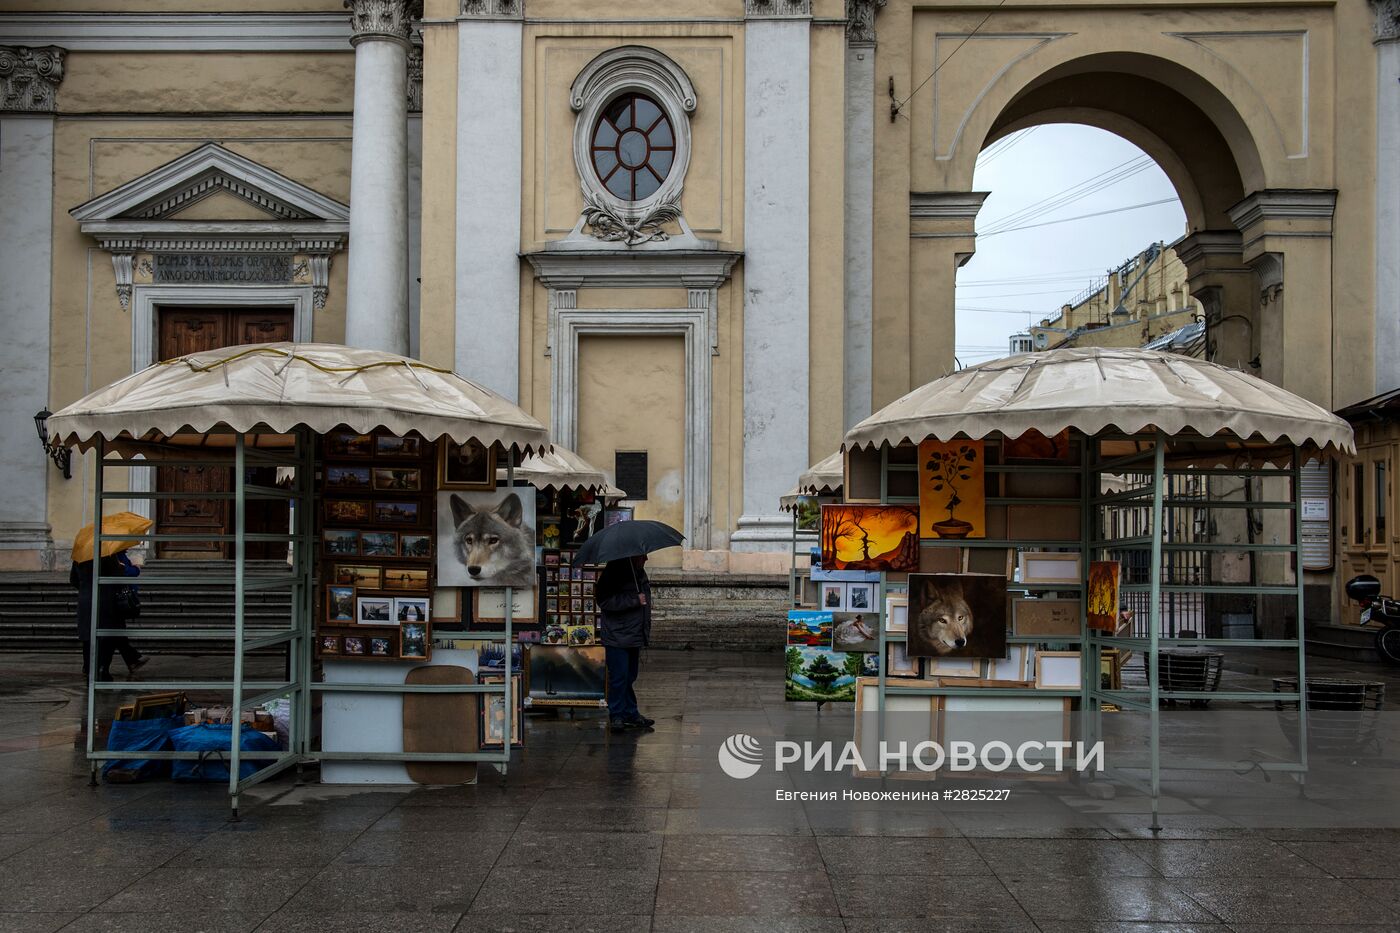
1300,633
1159,466
93,614
240,528
880,688
507,704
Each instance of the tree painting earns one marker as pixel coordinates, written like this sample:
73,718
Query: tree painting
952,484
821,675
1103,595
869,537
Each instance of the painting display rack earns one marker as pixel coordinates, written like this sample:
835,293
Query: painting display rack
1142,501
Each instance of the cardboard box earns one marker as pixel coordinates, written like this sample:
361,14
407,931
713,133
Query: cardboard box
1045,617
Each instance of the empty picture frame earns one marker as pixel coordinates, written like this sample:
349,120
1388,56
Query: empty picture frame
447,604
991,560
897,613
1045,617
1011,667
909,719
898,663
1058,670
1049,567
954,667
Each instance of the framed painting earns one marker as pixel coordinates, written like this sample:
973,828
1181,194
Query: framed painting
393,446
833,597
897,614
340,542
470,466
1104,576
447,604
952,489
415,545
809,629
379,544
957,615
347,478
353,644
406,579
486,538
340,604
560,675
1058,670
328,645
489,604
395,512
1048,567
1045,617
493,716
869,537
412,608
820,674
374,610
898,661
348,444
365,576
854,631
347,511
396,479
413,641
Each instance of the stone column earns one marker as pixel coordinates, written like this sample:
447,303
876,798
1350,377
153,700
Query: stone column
29,78
415,198
859,215
942,238
376,313
1387,194
1217,277
777,133
489,183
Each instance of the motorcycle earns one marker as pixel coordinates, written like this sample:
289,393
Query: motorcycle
1382,610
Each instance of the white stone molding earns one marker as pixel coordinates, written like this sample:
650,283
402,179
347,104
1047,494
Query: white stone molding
143,215
604,268
415,78
180,32
559,299
1387,20
29,78
860,22
1284,204
631,68
381,19
320,279
773,8
693,325
1268,268
494,9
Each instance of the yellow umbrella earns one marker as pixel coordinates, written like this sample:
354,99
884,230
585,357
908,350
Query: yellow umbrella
122,523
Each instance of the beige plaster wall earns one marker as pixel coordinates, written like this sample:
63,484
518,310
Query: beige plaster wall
616,377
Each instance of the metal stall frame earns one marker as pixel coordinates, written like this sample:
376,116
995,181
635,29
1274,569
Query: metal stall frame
1089,643
298,637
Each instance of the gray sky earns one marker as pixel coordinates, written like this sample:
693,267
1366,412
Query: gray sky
1074,170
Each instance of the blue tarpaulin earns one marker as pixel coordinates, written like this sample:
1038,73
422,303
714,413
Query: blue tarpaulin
213,741
142,735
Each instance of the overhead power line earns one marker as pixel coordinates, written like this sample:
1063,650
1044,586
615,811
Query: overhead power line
897,106
1065,220
1072,194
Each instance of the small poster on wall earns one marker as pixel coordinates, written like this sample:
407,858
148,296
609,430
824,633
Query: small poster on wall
952,489
1103,595
486,539
957,615
869,537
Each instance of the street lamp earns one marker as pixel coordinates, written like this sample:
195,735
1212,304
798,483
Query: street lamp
59,454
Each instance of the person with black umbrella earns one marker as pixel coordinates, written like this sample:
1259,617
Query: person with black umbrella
623,593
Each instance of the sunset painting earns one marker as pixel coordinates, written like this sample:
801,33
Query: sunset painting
870,537
1103,595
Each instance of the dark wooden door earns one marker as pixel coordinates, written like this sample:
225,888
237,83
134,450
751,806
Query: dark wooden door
198,330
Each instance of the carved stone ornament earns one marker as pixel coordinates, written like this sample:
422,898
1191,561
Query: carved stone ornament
1387,19
29,77
777,7
860,21
612,226
415,78
381,19
490,8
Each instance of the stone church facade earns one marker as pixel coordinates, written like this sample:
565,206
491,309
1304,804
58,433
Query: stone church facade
714,232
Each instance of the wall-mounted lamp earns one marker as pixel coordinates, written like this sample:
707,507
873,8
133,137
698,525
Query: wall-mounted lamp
59,454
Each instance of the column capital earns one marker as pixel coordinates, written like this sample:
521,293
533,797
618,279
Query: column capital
860,21
767,9
382,19
1387,20
29,78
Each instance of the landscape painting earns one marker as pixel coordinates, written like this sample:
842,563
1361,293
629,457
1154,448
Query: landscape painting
870,537
809,629
957,615
821,675
952,489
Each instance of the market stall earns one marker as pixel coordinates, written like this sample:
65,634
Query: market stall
820,483
1034,519
358,436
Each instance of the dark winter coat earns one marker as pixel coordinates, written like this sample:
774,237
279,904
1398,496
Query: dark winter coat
626,623
108,616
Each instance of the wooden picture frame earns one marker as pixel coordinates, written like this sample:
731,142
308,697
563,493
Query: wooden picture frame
901,728
402,579
489,605
1049,567
1050,617
346,511
361,576
347,444
1012,668
328,645
415,546
346,477
899,663
398,447
827,593
331,614
1059,670
340,542
897,613
473,472
997,561
406,605
354,646
398,512
415,641
493,738
159,705
379,543
447,604
368,610
396,479
960,668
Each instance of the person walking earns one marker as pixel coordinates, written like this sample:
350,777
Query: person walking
109,615
623,593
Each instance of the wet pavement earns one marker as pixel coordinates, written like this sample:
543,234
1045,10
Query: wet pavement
635,832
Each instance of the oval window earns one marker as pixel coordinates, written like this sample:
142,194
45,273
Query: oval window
633,147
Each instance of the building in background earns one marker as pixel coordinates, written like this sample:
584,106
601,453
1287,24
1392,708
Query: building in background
697,238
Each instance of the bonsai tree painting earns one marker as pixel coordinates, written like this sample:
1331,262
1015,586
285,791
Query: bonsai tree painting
820,675
951,481
822,672
869,537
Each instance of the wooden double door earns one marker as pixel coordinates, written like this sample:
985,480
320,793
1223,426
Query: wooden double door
197,330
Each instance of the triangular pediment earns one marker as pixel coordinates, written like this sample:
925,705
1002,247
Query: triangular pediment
211,171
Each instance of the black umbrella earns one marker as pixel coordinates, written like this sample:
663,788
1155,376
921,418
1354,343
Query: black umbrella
627,539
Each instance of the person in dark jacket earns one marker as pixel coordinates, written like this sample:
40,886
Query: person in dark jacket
108,614
623,593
